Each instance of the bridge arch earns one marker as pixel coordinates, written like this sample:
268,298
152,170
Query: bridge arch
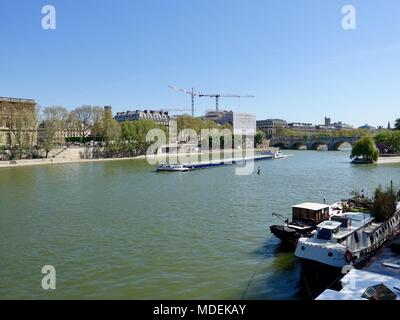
316,145
297,145
337,144
281,145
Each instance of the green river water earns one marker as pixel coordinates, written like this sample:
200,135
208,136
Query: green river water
118,230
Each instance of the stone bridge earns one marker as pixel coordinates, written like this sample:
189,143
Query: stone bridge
311,143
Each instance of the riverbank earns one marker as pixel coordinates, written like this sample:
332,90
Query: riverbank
55,161
75,159
388,160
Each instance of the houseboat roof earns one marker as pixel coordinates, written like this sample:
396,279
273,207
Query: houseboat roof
331,225
358,220
311,206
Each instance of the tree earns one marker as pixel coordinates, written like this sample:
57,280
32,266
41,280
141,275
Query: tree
397,124
133,134
98,114
83,118
189,122
112,129
365,148
258,138
54,125
385,203
388,141
22,127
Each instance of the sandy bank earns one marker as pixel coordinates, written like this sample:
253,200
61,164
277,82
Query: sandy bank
387,160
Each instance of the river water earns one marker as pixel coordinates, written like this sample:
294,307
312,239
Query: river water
118,230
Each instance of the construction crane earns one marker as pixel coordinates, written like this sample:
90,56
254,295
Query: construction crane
217,96
191,92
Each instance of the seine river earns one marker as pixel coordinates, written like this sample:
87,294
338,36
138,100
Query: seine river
118,230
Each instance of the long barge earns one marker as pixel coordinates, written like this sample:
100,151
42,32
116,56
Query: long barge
223,162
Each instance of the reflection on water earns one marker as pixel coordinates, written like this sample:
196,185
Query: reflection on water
119,230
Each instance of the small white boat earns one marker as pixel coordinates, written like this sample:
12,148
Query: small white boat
279,155
172,168
274,154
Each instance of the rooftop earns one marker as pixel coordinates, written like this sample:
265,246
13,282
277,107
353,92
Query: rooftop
358,220
311,206
8,99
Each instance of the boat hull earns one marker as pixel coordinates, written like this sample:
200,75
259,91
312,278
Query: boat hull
317,277
173,170
289,236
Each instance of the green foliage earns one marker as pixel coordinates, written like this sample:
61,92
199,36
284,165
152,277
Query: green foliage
258,138
133,134
389,139
397,124
385,203
54,124
189,122
365,148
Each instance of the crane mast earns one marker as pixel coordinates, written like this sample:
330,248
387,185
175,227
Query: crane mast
193,94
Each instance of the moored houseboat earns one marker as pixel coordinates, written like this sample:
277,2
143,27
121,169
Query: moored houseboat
305,218
348,239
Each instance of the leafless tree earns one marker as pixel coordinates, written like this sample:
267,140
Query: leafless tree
84,120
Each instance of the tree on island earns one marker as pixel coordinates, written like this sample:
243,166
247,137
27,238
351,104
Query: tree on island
365,148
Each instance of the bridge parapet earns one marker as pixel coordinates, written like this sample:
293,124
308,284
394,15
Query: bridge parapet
311,143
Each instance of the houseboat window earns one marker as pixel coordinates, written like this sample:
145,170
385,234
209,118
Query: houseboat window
371,238
356,237
324,234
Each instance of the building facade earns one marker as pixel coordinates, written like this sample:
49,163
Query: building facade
221,117
237,119
305,127
271,127
18,122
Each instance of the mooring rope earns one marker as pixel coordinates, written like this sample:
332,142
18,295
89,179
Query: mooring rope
253,276
307,287
255,272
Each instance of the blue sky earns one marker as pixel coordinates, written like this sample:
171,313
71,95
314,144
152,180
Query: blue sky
292,55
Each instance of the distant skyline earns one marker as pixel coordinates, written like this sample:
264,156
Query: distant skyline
294,56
